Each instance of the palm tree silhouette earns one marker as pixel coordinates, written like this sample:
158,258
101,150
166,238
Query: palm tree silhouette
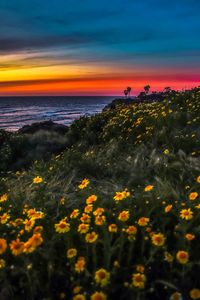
129,90
125,93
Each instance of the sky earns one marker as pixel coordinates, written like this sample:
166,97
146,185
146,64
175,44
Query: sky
90,47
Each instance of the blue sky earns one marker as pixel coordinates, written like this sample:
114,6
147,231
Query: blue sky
149,36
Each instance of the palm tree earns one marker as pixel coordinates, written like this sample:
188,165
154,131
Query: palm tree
125,93
129,90
147,88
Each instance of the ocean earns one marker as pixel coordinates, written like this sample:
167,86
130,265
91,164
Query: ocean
16,112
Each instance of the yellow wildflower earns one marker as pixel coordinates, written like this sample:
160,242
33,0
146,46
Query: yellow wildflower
16,247
72,252
143,221
83,228
91,237
190,236
4,197
79,297
74,214
148,188
112,228
2,263
158,239
80,264
100,220
138,280
193,196
195,294
62,226
186,214
124,215
176,296
29,224
98,296
84,183
91,199
37,179
4,218
3,245
182,257
168,208
102,277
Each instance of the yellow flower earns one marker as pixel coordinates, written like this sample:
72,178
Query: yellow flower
91,199
4,218
91,237
98,296
168,208
186,214
62,227
83,228
102,277
74,214
158,239
112,228
132,230
182,257
85,218
143,221
29,224
176,296
99,211
72,252
195,294
189,236
37,179
138,280
119,196
33,214
124,216
62,200
4,197
79,297
36,240
88,209
148,188
198,206
198,179
2,263
80,264
100,220
84,184
193,196
38,229
3,246
168,257
17,247
76,289
166,151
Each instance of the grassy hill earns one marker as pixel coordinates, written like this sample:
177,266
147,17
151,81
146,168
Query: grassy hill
112,214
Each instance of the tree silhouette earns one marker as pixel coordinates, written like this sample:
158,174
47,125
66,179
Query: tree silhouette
125,93
167,89
147,88
129,90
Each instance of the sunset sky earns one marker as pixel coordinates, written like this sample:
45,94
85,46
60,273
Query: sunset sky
89,47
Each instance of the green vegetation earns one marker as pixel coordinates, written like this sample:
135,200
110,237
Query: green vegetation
112,214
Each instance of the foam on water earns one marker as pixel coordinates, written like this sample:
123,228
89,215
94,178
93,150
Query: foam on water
16,112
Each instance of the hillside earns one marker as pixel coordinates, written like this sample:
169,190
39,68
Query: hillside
108,209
